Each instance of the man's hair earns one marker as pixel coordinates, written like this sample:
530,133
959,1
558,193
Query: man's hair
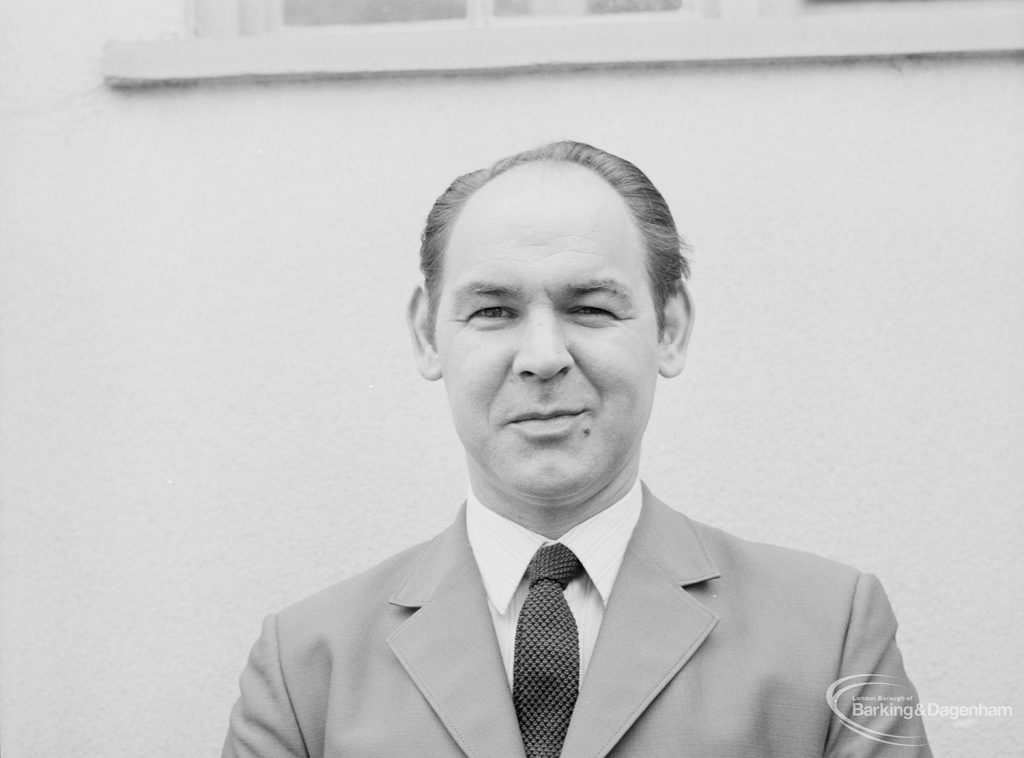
666,263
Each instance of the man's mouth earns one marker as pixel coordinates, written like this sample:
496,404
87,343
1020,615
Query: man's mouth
544,415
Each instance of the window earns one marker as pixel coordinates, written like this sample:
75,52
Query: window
262,39
333,12
326,12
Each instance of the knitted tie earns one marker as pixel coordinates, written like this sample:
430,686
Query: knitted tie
546,671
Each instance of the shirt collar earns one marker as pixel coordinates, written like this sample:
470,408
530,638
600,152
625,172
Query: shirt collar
503,549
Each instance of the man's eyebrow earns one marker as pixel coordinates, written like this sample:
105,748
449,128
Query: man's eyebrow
473,290
601,286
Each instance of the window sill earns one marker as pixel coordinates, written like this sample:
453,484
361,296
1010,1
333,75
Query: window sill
968,28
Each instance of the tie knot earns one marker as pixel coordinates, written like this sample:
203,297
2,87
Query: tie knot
556,562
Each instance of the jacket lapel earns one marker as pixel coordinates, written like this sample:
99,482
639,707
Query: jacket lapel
449,649
651,628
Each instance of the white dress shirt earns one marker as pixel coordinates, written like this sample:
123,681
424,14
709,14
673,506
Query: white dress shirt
503,550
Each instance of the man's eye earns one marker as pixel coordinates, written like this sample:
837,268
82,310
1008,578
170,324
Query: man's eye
495,311
589,310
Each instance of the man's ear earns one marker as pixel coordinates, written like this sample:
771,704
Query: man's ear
678,319
418,317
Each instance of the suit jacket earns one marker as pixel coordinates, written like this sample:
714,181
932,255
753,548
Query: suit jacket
710,646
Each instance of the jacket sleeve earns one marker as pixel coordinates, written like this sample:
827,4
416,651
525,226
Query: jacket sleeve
263,723
875,709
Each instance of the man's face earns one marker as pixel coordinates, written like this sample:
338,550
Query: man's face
547,338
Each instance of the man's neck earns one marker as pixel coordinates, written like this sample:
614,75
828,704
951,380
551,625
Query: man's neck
552,517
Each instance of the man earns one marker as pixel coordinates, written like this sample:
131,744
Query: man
567,611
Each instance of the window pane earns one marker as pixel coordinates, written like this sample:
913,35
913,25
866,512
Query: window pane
325,12
580,7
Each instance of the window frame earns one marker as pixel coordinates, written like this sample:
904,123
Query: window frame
239,40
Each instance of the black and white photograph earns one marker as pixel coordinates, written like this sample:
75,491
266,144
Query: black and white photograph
511,378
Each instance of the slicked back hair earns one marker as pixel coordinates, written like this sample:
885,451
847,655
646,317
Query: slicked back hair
667,266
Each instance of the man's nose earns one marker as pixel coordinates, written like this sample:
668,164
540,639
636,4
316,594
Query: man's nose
542,351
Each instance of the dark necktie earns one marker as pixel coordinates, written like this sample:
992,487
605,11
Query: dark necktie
546,669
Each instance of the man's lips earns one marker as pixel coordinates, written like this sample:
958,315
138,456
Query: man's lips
543,415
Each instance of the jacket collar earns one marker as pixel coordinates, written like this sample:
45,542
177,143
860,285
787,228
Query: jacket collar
666,537
450,651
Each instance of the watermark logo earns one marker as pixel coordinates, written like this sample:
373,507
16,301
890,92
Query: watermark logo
875,697
879,700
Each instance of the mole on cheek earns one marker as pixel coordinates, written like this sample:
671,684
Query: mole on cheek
586,432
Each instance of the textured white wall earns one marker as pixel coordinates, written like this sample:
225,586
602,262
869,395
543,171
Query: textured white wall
209,410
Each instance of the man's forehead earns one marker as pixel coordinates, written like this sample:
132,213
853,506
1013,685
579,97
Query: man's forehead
534,211
537,201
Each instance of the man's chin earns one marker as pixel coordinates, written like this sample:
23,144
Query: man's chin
546,480
555,487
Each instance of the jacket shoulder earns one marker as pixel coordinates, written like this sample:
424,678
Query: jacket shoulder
782,588
364,595
771,561
805,603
